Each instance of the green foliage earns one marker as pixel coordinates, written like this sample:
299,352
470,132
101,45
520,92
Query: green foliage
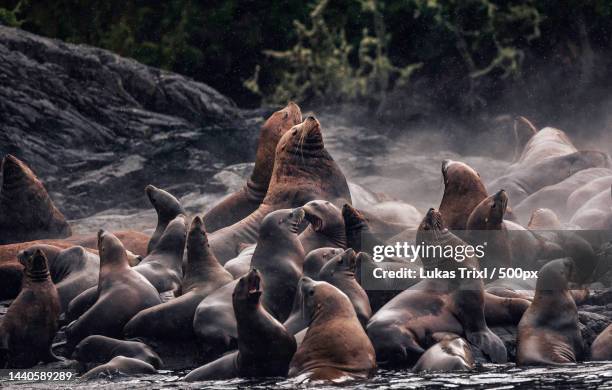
8,17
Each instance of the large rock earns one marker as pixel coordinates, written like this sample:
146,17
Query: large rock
97,127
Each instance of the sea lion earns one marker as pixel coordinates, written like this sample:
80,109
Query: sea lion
360,235
325,228
117,283
241,264
395,212
167,208
463,191
265,348
451,353
544,219
120,366
455,304
601,349
72,270
240,204
583,194
316,259
30,323
521,183
549,332
335,346
544,144
27,212
278,256
95,350
163,267
556,196
303,171
203,275
340,272
595,213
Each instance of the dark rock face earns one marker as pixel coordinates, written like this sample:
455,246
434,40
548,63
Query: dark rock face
97,127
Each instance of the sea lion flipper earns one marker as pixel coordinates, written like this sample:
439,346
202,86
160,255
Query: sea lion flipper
490,344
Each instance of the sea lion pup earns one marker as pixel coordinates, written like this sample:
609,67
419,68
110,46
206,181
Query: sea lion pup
279,257
120,366
544,144
463,191
521,183
549,332
265,348
583,194
325,228
316,259
595,213
95,350
26,211
303,171
240,204
72,270
167,208
451,353
601,349
455,304
340,272
335,346
117,283
30,323
203,275
163,267
555,196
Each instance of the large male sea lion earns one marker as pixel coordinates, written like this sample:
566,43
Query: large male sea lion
240,204
278,256
303,171
446,301
203,275
96,350
265,348
451,353
29,326
335,346
548,332
601,349
463,190
121,293
26,211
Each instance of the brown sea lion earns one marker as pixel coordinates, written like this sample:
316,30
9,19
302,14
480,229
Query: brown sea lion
303,171
335,346
72,270
549,332
521,183
463,191
167,208
163,267
279,257
316,259
95,350
544,144
118,282
451,353
556,196
601,349
29,326
265,348
240,204
27,212
443,302
583,194
203,275
120,366
325,228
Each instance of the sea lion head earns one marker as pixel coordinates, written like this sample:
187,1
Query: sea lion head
463,190
355,223
278,222
110,249
432,221
248,290
303,140
489,214
36,266
317,258
165,204
197,238
343,263
555,275
321,299
323,216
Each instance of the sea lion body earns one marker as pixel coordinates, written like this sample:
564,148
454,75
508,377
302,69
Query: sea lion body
203,276
463,191
601,349
120,366
548,332
27,212
544,144
583,194
96,350
117,283
31,322
303,171
452,353
595,213
335,346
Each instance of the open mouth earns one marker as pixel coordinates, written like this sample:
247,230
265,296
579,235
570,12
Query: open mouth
313,219
254,283
297,216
